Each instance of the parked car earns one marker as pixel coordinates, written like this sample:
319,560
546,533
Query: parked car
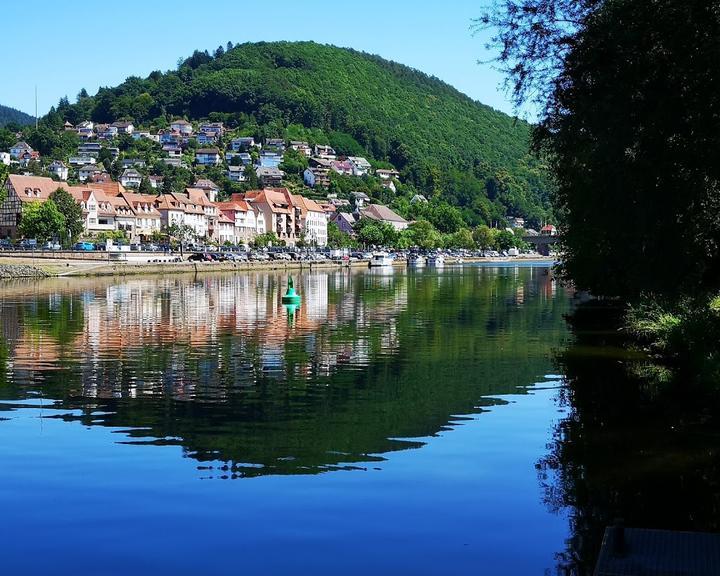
27,244
50,245
84,246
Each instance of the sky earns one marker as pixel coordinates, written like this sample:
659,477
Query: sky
64,46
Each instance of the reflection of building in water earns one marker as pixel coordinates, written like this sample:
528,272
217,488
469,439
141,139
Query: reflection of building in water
172,336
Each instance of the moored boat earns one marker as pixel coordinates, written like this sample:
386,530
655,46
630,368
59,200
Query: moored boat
381,259
416,260
436,260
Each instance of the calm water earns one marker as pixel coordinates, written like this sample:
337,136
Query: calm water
399,422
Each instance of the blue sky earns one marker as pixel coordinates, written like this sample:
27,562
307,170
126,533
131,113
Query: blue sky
65,46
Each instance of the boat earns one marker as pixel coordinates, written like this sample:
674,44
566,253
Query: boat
380,259
436,260
416,260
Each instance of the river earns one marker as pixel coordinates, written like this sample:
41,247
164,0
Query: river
398,422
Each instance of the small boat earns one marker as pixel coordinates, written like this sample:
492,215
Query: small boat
436,260
416,260
380,259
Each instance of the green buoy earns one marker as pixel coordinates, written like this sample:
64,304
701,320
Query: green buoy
291,297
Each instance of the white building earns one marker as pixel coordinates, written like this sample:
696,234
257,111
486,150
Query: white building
57,168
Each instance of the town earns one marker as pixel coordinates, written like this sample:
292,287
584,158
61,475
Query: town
137,186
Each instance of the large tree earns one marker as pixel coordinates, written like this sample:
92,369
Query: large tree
631,129
42,221
72,213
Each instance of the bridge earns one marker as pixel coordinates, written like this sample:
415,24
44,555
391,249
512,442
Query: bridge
542,242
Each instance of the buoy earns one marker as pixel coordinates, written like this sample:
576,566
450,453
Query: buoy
291,297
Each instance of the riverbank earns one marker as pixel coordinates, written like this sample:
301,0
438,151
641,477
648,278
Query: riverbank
24,266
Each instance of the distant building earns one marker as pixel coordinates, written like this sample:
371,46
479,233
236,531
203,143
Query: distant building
270,177
207,156
131,178
182,127
345,221
58,169
317,177
381,213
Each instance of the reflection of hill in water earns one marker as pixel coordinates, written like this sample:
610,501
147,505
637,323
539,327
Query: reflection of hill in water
214,365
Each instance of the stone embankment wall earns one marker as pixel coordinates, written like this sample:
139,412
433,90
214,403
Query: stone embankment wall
10,271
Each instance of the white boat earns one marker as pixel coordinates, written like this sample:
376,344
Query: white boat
436,260
380,259
416,260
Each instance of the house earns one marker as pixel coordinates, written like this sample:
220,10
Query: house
27,157
182,127
381,213
68,127
276,145
124,215
269,177
207,156
21,190
98,211
384,174
107,132
199,198
389,185
548,230
88,171
242,157
236,173
123,127
5,158
269,159
131,178
174,161
418,198
156,181
181,209
345,221
169,137
58,169
311,221
85,130
81,160
172,150
277,210
302,147
359,199
146,218
361,166
101,177
130,162
19,149
325,152
343,167
225,231
242,144
89,149
317,177
247,220
516,222
205,138
211,189
214,130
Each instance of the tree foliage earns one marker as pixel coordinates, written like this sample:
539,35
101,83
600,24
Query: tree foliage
72,213
42,221
631,128
444,143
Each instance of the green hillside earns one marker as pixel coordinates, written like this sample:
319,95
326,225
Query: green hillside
444,143
11,116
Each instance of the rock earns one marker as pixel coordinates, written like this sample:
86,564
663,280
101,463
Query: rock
21,271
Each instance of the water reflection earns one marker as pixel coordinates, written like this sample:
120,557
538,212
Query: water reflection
631,447
369,362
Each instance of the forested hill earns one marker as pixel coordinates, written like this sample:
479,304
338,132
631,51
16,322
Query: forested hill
443,142
11,116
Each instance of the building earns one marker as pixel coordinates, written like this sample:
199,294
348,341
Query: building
211,189
269,177
146,217
5,158
317,177
384,174
247,220
548,230
381,213
236,173
359,199
361,166
123,127
20,191
89,149
182,127
19,149
207,156
311,221
277,210
225,232
89,171
242,144
345,221
131,178
344,167
58,169
302,147
325,152
192,209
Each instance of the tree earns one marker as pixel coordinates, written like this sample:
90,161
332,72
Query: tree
145,186
42,221
369,233
505,240
483,237
72,214
634,158
423,235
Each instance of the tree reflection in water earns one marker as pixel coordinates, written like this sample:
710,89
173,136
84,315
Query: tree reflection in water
633,446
